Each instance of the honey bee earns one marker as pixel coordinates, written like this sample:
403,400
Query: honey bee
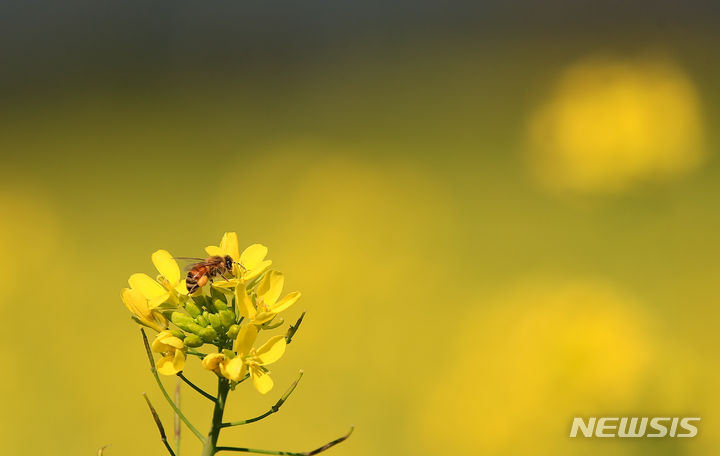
200,273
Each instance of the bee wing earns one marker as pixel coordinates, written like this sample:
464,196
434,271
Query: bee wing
189,266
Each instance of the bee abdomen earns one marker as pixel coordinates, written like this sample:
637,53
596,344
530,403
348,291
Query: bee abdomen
191,283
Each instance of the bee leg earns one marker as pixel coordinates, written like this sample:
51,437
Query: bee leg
223,276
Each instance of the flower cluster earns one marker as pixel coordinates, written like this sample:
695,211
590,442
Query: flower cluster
227,314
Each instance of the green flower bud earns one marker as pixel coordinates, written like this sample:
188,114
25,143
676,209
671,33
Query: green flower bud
214,320
233,331
180,318
202,321
227,317
177,333
193,340
192,309
208,334
185,322
229,353
219,305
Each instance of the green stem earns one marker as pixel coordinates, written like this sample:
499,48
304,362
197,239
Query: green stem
176,418
159,425
289,453
274,409
195,387
197,433
293,328
210,447
196,353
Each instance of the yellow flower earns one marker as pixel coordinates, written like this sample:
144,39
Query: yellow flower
252,260
138,305
169,284
173,351
215,362
251,360
266,305
228,246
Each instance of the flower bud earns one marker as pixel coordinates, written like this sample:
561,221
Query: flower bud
208,334
185,322
229,354
177,333
233,331
192,340
202,320
214,320
219,304
227,318
192,309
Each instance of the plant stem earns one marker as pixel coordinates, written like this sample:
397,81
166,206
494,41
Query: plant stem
175,408
195,387
159,425
289,453
274,409
210,447
176,421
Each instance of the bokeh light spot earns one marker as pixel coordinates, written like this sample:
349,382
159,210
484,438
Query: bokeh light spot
520,371
612,123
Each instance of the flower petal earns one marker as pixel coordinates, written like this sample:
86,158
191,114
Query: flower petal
213,250
233,369
158,344
262,381
167,266
250,274
270,287
286,302
245,339
181,288
159,322
229,245
263,317
153,291
272,350
173,341
136,303
179,360
212,361
244,303
171,365
253,256
232,283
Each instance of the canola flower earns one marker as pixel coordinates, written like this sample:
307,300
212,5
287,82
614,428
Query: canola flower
219,325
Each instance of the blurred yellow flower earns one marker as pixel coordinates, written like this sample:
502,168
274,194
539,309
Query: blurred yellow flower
172,349
138,305
267,304
539,357
612,123
169,285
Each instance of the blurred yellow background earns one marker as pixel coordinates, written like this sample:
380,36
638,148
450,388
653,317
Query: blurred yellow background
492,236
